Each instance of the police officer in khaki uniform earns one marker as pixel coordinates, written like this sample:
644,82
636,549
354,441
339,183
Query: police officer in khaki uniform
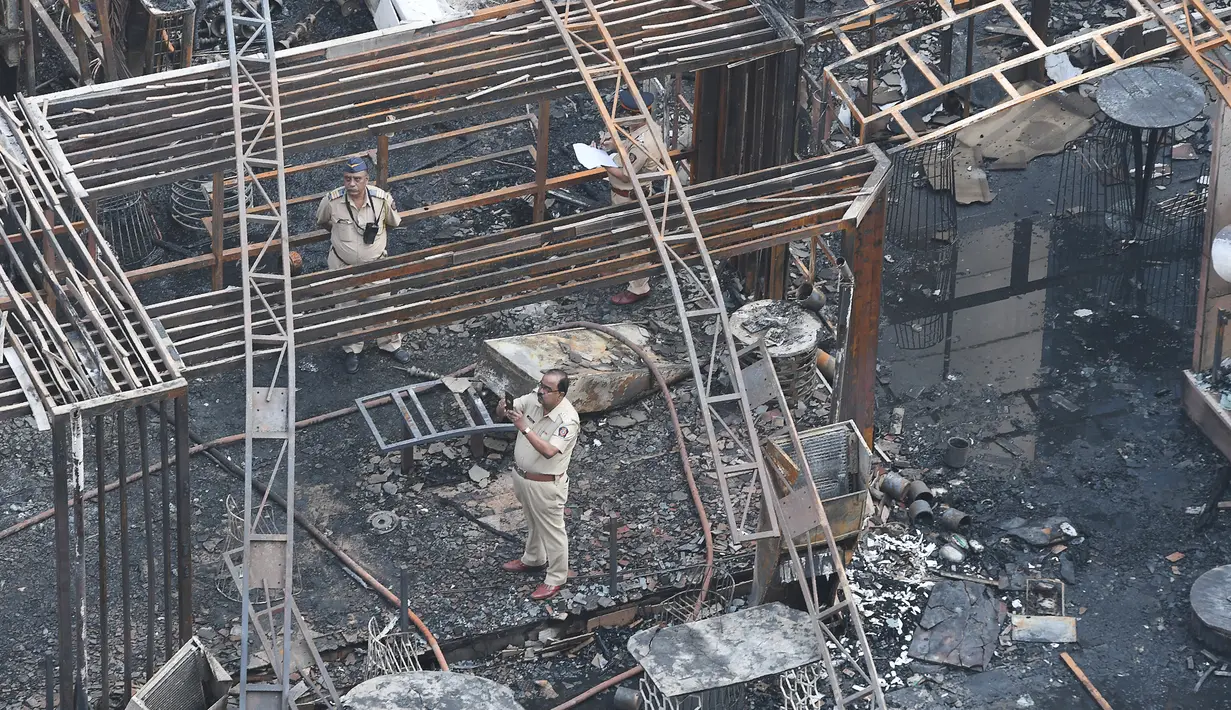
547,427
358,217
639,151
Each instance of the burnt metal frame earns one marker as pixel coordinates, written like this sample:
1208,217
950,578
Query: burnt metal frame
469,407
75,599
493,272
835,94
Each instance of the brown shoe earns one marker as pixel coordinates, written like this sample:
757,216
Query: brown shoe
543,592
519,566
627,298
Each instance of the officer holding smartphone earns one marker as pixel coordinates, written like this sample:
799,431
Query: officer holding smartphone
358,217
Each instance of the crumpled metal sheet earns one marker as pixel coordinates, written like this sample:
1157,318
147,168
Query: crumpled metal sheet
959,627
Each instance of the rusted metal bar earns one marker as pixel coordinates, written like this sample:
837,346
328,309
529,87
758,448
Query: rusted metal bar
147,512
104,623
121,427
64,573
382,161
168,629
217,229
183,517
540,160
864,247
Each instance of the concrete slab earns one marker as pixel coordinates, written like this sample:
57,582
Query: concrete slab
604,373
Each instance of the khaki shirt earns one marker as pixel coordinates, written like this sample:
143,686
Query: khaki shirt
559,428
638,152
346,237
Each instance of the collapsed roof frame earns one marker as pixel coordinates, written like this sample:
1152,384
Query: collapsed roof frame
834,94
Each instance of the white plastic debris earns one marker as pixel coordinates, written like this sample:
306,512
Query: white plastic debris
1083,312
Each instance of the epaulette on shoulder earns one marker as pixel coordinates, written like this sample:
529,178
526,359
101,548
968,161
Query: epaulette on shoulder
337,192
379,193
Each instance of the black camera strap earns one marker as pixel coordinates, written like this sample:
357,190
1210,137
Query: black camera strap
351,212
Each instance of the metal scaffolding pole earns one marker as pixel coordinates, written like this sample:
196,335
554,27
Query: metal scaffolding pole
268,543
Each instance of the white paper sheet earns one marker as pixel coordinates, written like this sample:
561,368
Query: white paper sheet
591,157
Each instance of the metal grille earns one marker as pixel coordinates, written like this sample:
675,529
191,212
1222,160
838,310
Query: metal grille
391,651
191,680
830,455
127,223
804,688
731,697
191,201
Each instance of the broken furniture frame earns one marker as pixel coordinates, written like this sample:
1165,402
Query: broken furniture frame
419,425
834,92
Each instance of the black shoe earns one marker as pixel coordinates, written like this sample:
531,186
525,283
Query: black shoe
400,356
352,363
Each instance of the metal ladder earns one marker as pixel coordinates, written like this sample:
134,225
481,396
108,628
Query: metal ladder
744,473
843,612
601,62
269,420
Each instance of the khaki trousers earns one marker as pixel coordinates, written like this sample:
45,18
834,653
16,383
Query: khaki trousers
546,538
637,286
388,343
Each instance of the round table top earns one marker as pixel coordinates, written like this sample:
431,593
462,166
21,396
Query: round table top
1150,97
429,690
789,330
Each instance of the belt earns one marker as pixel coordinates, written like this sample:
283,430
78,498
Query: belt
622,193
335,253
540,477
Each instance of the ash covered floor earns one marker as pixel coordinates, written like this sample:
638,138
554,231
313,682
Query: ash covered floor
1069,387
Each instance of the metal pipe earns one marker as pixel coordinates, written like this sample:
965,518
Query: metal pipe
104,644
683,449
147,503
920,512
579,699
64,588
164,440
183,517
954,519
125,582
1223,317
613,555
329,545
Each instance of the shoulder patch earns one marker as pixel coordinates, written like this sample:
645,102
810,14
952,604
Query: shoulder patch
562,432
336,193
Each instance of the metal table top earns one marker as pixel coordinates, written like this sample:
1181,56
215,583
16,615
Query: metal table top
429,690
1150,97
725,650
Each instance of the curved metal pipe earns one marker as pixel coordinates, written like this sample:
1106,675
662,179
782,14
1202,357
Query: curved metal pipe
679,439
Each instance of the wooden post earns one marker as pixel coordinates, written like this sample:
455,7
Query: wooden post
1214,293
80,42
540,160
104,28
27,21
49,255
91,237
864,249
382,161
1040,15
216,228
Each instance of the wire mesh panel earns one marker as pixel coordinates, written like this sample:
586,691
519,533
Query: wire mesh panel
922,206
191,200
392,651
921,236
804,688
732,697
